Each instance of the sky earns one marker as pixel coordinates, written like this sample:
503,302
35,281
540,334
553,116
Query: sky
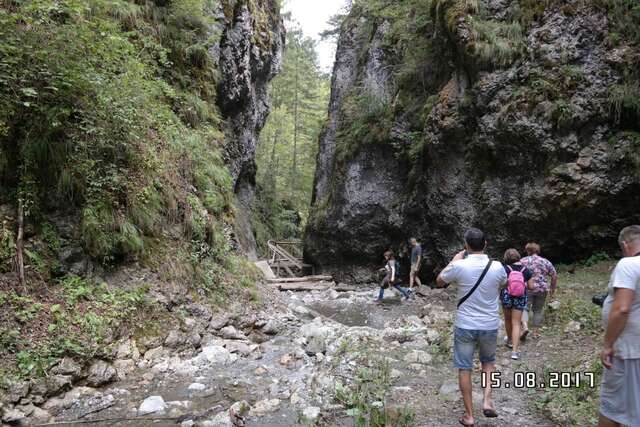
313,16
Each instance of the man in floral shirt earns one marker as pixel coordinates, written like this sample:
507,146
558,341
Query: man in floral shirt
545,280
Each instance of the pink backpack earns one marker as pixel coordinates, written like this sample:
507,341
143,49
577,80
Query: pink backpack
515,283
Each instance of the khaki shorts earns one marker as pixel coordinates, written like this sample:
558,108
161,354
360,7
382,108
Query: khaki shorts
415,269
620,392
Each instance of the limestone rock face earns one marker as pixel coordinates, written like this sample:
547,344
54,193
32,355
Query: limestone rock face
250,55
530,148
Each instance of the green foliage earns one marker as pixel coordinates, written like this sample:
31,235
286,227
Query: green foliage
624,100
365,399
596,258
7,248
624,18
110,109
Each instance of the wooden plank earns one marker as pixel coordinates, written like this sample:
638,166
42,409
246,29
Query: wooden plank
301,279
305,286
345,288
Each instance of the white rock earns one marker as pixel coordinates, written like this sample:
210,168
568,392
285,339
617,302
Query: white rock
301,310
573,326
13,415
151,405
221,419
555,305
231,333
418,356
265,406
216,354
197,387
187,423
311,413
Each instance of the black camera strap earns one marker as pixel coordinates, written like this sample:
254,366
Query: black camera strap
484,273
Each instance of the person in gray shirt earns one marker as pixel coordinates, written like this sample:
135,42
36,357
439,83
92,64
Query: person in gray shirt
416,263
620,390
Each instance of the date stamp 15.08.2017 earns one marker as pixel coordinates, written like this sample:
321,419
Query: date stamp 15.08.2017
530,379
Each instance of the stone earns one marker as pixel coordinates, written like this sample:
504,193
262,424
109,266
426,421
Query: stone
555,305
237,411
128,350
197,387
124,367
450,391
272,327
419,357
40,415
152,404
260,370
155,353
231,333
239,347
432,335
316,345
221,419
67,366
16,390
216,354
301,310
219,321
56,384
266,406
101,373
287,359
194,339
311,413
13,415
175,339
187,423
573,326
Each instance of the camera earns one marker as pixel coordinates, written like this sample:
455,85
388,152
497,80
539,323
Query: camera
599,299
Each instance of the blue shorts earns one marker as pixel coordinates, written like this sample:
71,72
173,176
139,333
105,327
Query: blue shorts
464,346
509,302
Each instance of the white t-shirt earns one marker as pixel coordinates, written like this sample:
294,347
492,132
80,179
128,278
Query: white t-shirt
481,310
626,275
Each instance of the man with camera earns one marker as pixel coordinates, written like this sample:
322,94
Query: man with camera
620,392
478,280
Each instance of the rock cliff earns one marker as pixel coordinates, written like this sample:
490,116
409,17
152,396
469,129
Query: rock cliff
509,116
250,55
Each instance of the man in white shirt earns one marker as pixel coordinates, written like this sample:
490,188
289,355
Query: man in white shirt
478,317
620,391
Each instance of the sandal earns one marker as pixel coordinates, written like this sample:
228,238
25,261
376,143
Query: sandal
461,421
490,413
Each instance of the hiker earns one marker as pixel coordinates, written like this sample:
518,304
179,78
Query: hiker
542,270
391,277
416,262
514,298
478,279
620,390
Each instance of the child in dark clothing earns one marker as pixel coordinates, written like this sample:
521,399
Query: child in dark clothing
391,277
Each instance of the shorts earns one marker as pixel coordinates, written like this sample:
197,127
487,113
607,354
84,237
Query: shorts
620,392
515,303
415,269
464,347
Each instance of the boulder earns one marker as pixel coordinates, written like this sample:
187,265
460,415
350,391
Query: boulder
152,404
272,327
67,366
175,339
101,373
219,321
231,333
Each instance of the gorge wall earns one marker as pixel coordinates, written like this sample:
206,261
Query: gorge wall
513,116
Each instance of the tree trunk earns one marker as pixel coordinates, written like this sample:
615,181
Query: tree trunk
19,246
294,163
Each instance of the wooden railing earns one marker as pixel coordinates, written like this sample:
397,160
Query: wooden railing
287,256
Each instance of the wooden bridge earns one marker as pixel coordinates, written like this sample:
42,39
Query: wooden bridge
285,257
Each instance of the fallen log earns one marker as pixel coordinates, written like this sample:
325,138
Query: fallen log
318,278
305,286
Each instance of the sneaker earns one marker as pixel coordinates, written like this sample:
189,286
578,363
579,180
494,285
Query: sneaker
515,355
507,342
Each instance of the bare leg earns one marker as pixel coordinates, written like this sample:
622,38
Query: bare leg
488,369
606,422
508,323
464,380
516,319
412,277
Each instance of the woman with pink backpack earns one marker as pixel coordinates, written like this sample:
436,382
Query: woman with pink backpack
514,298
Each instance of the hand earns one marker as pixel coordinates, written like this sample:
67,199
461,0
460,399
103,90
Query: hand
607,357
459,256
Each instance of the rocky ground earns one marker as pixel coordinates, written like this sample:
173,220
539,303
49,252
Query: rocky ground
311,358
